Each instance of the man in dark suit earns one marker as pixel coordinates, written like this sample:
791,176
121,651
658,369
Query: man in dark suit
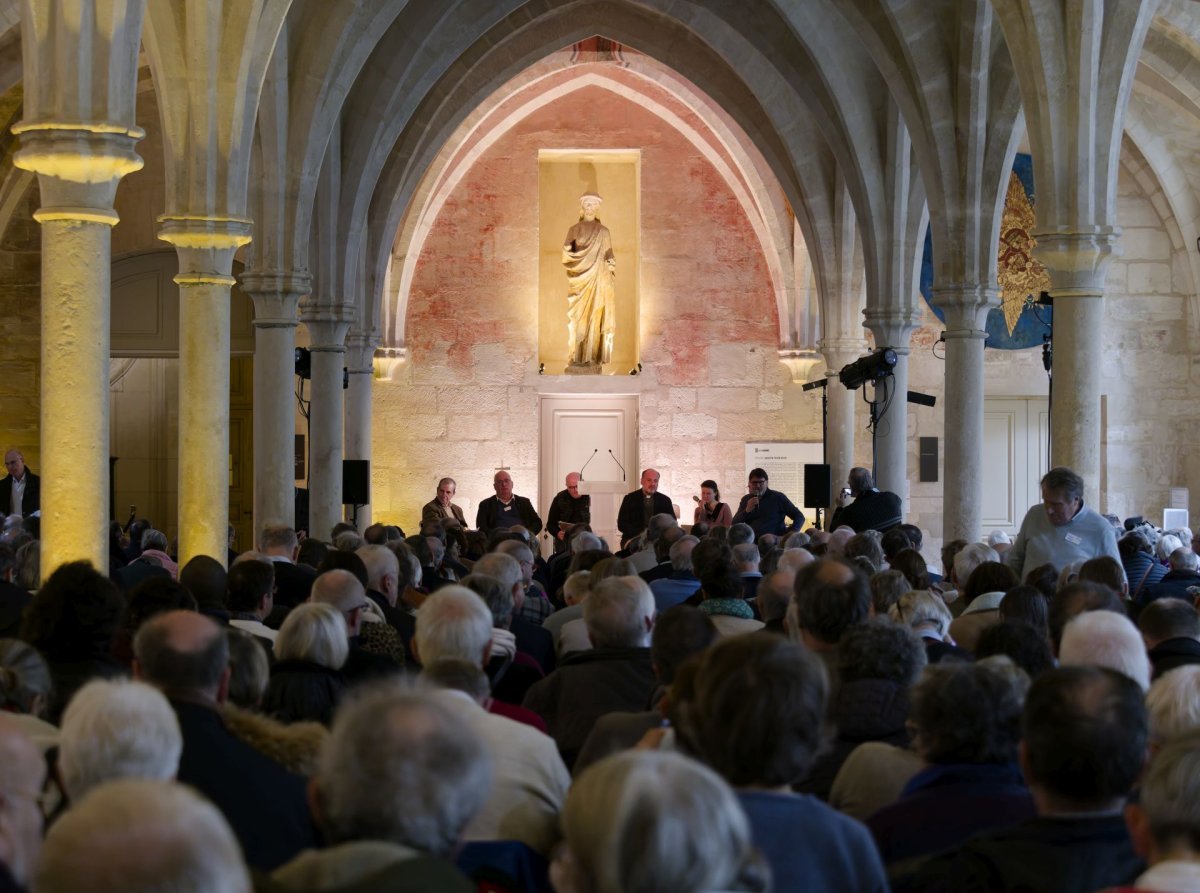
293,582
186,655
21,491
766,510
505,510
638,507
871,510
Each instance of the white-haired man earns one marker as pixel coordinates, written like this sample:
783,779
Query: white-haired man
399,779
1105,639
141,836
615,675
530,781
22,776
117,729
531,638
1181,581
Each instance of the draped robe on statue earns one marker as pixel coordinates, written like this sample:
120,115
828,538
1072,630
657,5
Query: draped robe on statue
588,258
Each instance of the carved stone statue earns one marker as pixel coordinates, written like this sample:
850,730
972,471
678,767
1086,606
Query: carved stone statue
591,271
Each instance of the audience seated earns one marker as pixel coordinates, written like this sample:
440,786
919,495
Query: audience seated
966,725
141,836
927,616
1141,569
981,595
22,777
1076,598
723,590
530,637
1026,646
1173,705
1171,630
680,633
72,622
117,729
616,674
1083,745
1181,581
529,780
652,822
25,689
830,597
681,583
1164,823
573,635
306,682
1105,639
293,581
400,779
757,720
342,591
774,596
877,662
186,656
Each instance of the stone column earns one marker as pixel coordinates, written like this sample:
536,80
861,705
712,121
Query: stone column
360,355
78,168
205,246
80,143
891,433
962,487
276,296
839,440
327,330
1077,263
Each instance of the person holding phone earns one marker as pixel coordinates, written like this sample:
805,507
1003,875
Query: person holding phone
709,509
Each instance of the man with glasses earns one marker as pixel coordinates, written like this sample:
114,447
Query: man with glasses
765,509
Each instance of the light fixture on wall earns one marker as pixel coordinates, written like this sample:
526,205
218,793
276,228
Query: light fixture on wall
541,368
636,370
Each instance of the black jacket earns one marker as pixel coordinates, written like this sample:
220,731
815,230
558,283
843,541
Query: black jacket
631,519
492,514
303,691
873,510
265,805
31,501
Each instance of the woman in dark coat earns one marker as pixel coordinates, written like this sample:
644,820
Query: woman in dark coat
310,651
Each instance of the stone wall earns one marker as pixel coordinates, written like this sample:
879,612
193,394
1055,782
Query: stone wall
20,331
1150,423
466,401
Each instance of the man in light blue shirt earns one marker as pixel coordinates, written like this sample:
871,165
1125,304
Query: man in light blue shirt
1061,529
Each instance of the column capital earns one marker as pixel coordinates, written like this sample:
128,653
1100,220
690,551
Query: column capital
892,327
1077,257
840,351
276,295
801,364
206,245
328,325
360,347
966,307
78,165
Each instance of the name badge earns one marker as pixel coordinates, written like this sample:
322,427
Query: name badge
1073,539
508,508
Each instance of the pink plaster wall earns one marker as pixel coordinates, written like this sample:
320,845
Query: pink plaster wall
467,398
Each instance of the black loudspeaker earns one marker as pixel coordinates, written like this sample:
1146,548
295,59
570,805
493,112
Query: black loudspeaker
356,481
817,485
928,460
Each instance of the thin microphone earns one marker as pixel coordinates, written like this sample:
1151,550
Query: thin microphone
589,459
619,465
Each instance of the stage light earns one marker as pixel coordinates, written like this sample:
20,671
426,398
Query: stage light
878,365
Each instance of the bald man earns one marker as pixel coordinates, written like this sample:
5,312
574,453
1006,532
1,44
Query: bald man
638,507
22,776
342,590
569,507
505,510
186,656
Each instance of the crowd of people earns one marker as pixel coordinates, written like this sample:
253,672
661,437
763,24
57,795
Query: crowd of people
735,704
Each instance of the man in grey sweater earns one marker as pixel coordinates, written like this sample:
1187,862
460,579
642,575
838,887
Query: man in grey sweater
1061,529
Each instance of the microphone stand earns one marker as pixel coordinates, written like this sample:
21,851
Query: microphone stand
589,459
619,465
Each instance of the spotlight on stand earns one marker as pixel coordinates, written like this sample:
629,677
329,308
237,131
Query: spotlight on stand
875,367
303,362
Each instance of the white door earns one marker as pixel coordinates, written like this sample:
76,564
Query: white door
592,433
1015,434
